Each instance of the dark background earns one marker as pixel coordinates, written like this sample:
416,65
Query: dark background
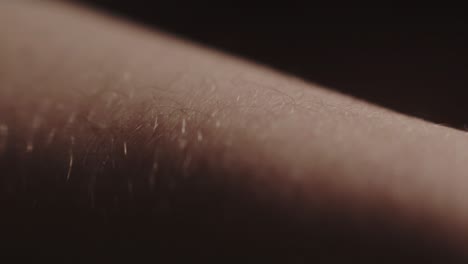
408,59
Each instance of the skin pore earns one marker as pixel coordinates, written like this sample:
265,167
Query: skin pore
116,141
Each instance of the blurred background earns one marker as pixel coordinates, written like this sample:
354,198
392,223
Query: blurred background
412,60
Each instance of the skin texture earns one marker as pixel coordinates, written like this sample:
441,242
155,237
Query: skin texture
120,143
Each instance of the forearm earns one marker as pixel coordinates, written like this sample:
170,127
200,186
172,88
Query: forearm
104,117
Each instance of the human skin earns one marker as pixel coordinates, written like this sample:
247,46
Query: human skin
119,141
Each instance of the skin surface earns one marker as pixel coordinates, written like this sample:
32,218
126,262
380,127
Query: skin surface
118,142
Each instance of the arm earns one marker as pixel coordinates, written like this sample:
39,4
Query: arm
111,134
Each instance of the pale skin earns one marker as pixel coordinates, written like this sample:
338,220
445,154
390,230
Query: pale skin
106,122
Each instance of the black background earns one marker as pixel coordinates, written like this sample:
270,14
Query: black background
408,59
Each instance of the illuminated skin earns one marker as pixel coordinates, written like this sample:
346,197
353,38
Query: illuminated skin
109,132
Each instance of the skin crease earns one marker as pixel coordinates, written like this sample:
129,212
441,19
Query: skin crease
116,142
